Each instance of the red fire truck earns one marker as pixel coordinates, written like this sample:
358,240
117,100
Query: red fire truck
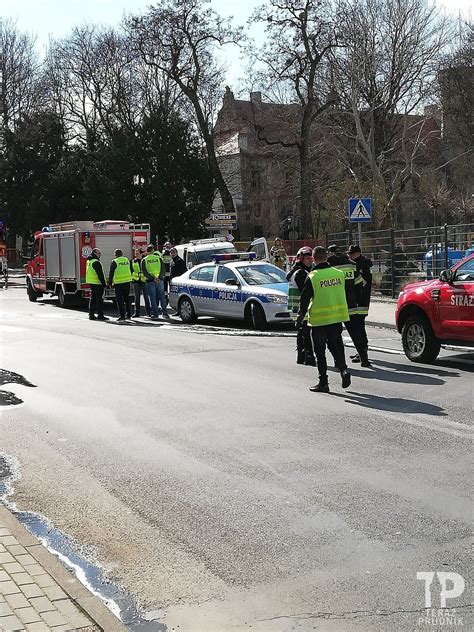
57,264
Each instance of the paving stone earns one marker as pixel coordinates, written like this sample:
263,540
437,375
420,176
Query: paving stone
35,569
8,588
32,590
13,567
27,615
78,621
11,624
54,593
3,576
4,531
44,580
8,539
37,627
17,600
16,549
25,560
53,618
5,609
42,604
66,607
22,578
2,548
6,558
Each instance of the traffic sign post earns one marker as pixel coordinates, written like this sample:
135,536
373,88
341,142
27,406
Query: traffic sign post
360,210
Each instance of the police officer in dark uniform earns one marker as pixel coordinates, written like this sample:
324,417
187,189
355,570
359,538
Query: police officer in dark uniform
296,278
363,291
340,260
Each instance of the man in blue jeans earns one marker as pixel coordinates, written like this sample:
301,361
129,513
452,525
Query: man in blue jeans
154,271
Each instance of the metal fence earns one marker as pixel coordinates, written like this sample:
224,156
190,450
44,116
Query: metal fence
404,256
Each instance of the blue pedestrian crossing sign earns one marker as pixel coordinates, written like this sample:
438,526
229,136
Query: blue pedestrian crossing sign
360,210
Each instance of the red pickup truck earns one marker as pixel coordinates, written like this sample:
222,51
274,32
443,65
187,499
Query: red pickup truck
438,312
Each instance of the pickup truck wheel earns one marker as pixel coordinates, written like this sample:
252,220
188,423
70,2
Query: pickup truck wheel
257,317
186,310
32,295
419,342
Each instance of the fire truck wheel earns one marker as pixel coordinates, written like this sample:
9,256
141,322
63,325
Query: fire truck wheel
62,298
419,342
32,295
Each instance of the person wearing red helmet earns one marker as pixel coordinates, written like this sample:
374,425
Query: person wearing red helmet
296,278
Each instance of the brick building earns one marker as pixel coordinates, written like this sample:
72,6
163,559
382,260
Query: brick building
258,156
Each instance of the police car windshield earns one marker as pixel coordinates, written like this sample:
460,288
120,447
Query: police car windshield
205,256
262,274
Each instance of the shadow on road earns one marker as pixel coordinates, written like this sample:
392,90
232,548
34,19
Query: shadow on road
415,368
397,376
392,404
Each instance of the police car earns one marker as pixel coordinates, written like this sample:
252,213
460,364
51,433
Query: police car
232,286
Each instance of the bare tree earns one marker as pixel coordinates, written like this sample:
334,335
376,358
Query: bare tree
21,74
294,64
386,75
181,38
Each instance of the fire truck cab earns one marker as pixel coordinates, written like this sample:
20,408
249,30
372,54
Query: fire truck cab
57,263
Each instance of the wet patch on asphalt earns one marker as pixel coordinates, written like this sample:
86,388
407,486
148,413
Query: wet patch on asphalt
123,605
7,398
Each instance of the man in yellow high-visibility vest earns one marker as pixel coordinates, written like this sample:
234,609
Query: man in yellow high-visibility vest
324,300
154,271
120,277
97,283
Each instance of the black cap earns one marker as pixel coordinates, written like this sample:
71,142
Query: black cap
354,248
334,248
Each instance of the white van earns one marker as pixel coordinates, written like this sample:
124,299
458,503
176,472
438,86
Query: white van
203,250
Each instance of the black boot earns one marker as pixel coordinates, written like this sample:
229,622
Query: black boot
300,357
364,360
346,379
321,387
310,360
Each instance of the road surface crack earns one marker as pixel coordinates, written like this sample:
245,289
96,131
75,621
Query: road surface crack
356,614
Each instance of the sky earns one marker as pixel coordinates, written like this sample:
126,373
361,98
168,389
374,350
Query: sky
45,18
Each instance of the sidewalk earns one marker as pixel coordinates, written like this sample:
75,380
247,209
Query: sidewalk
382,314
37,593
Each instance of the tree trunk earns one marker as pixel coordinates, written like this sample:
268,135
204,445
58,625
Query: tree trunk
305,168
220,183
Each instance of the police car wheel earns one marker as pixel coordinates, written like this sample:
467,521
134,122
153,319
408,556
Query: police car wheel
257,317
186,311
419,342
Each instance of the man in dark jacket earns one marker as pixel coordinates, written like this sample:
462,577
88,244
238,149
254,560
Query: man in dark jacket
178,265
364,289
97,283
296,278
353,280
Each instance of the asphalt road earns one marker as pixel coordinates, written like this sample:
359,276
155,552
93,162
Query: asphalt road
197,468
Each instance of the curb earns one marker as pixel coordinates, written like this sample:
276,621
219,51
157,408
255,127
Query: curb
98,612
373,323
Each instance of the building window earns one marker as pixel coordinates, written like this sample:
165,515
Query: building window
256,180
